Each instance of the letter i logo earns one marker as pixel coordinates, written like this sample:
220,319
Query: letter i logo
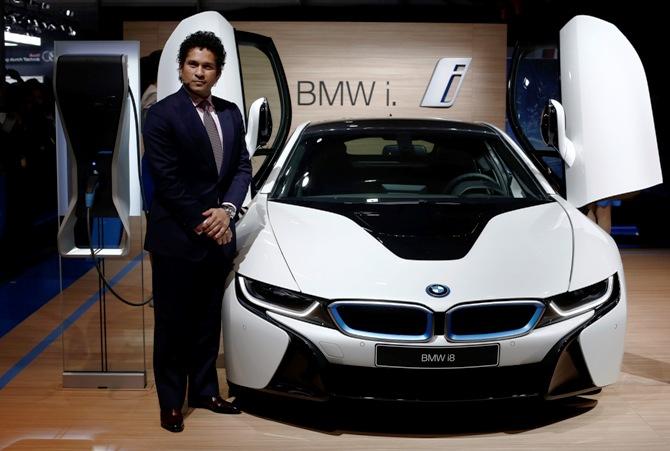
446,82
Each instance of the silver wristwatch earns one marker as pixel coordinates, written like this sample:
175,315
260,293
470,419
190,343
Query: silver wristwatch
230,209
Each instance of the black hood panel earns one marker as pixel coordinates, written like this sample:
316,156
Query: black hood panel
422,230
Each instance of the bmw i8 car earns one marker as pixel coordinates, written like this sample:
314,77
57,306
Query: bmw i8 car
427,259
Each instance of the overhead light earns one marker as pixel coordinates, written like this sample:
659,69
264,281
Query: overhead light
10,44
69,13
16,38
71,31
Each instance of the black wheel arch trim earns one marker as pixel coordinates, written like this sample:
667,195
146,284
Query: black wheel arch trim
570,345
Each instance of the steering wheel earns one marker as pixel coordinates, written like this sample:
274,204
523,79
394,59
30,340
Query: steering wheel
470,181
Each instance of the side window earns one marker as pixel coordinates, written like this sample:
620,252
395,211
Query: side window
259,81
535,79
263,75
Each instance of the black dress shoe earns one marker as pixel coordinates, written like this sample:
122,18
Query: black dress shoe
172,420
216,404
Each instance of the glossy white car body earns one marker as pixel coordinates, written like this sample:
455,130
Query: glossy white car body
530,253
531,256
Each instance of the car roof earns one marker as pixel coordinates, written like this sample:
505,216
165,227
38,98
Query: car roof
390,124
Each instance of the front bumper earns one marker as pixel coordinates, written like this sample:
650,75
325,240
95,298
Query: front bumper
305,372
309,361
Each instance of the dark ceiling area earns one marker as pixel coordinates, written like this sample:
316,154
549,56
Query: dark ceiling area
526,19
103,19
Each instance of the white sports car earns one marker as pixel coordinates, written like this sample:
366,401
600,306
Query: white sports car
417,259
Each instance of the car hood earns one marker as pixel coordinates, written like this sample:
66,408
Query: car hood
514,249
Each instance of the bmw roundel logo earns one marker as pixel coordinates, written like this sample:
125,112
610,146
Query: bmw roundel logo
437,290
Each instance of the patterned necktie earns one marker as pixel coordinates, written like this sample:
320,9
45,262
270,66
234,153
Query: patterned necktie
213,133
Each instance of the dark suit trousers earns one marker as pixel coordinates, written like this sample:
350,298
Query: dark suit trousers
187,312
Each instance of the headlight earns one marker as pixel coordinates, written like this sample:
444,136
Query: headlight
261,297
599,296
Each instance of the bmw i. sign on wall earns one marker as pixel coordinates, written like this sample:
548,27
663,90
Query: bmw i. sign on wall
446,82
438,291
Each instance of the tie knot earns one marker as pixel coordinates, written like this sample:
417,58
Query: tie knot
204,105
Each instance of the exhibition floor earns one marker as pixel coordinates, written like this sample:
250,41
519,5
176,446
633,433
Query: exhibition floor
37,413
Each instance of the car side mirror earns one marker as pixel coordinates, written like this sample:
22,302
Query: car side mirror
265,124
552,126
259,127
548,126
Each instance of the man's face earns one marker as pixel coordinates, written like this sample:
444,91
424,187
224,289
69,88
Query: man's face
198,73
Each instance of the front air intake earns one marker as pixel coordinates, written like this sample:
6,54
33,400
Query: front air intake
383,320
485,321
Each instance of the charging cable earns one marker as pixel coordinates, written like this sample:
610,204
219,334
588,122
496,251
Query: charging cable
91,187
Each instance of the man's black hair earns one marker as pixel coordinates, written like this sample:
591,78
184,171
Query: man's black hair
203,40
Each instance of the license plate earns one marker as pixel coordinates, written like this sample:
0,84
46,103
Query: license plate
425,357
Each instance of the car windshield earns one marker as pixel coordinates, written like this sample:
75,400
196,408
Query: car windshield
404,164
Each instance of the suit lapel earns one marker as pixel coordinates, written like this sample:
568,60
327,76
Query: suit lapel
197,128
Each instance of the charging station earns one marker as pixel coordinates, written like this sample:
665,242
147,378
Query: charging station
99,205
94,110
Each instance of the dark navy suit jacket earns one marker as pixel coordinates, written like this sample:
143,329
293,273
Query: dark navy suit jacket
185,181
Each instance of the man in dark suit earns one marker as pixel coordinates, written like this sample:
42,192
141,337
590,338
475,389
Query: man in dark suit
199,164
